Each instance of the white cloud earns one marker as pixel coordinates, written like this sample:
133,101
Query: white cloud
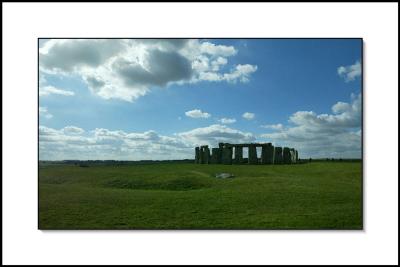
197,113
43,112
47,90
324,135
277,126
72,130
227,120
72,142
214,134
216,64
240,73
217,50
248,115
351,72
127,69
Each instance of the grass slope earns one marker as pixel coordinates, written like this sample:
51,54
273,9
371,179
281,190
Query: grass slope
323,195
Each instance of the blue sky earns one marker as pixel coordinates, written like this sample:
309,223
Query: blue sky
157,99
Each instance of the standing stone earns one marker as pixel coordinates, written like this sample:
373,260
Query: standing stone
278,159
197,155
267,154
264,154
227,155
238,154
253,154
297,156
292,156
201,155
219,156
206,155
214,155
286,155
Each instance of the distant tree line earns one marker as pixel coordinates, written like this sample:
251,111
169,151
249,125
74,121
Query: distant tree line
88,163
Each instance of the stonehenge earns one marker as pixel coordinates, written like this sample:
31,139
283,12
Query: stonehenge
227,153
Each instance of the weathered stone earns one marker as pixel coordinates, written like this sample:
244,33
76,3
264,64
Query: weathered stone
197,155
201,155
206,152
214,155
224,175
227,155
267,154
286,155
253,154
223,154
238,155
292,156
278,159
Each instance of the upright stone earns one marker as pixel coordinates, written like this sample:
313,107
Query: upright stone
253,154
197,155
278,159
286,155
227,155
297,156
219,156
214,155
201,155
238,155
264,154
206,155
267,154
292,155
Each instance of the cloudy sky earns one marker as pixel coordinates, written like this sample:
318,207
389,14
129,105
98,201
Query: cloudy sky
157,99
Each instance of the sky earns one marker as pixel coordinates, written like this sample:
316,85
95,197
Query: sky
140,99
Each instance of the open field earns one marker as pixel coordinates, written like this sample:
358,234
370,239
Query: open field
317,195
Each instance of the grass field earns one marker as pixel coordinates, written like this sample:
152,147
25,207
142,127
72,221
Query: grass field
318,195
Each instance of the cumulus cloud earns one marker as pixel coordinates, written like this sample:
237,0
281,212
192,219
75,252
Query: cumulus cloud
43,112
239,73
324,135
47,90
227,120
65,55
214,134
127,69
212,49
197,113
277,126
248,115
351,72
216,64
72,142
72,130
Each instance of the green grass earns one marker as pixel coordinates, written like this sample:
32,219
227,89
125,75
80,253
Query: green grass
320,195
